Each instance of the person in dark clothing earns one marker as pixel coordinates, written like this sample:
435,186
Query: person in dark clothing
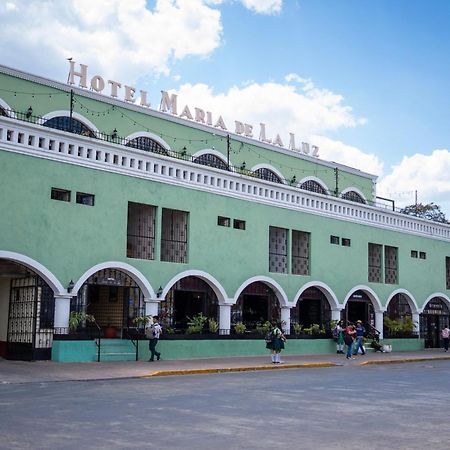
360,331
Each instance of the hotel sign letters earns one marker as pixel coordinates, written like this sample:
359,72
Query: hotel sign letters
169,104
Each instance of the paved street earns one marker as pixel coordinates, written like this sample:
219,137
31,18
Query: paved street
395,406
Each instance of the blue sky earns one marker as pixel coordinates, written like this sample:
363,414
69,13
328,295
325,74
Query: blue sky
367,81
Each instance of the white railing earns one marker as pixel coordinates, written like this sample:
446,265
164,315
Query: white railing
31,139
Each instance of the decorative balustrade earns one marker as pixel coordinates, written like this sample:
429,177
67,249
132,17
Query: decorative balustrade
31,139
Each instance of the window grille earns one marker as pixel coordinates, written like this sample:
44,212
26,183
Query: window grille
300,252
174,244
375,251
147,144
267,174
208,159
223,221
65,123
85,199
334,240
60,194
353,197
278,249
313,186
141,231
390,265
239,224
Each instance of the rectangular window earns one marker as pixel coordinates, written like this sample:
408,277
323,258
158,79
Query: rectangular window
60,194
174,239
278,249
141,231
300,252
85,199
447,272
346,242
334,240
375,251
414,254
422,255
390,265
239,224
223,221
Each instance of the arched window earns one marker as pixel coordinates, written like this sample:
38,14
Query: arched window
208,159
65,123
313,186
147,144
267,174
353,197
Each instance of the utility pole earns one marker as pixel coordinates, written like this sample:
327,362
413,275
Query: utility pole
336,181
71,110
228,151
415,197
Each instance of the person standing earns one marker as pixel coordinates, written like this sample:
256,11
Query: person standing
445,336
277,343
338,334
360,331
154,332
349,338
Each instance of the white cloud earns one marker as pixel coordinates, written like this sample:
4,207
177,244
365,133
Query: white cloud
426,174
121,39
264,6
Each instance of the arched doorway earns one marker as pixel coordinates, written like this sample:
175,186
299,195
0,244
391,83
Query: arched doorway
359,307
256,304
187,298
27,309
113,298
397,316
433,319
312,308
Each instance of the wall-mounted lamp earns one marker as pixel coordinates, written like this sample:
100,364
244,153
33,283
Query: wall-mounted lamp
70,286
243,166
294,180
160,291
114,134
183,151
29,112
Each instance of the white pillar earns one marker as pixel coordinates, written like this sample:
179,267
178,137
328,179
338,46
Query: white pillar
151,306
379,316
336,314
286,319
62,312
224,319
416,321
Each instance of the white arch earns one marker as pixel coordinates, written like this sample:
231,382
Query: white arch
349,189
317,180
409,297
212,152
42,271
436,294
326,290
370,293
206,277
151,136
137,276
75,115
279,292
9,112
269,167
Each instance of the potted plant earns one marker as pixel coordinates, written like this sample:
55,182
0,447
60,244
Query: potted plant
77,317
213,326
240,328
196,324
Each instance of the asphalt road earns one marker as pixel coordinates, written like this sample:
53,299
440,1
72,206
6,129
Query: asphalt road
401,406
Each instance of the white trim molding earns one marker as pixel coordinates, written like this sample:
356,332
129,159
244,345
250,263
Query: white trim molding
279,292
430,297
350,189
211,151
317,180
409,297
149,135
325,289
370,293
272,169
9,112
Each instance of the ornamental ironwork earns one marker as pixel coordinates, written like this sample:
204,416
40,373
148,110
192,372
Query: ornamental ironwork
313,186
147,144
71,125
353,197
268,175
208,159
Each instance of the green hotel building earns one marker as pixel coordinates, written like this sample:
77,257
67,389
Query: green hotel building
116,210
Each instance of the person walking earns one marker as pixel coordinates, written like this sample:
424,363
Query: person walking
360,332
349,338
445,335
153,333
277,343
338,334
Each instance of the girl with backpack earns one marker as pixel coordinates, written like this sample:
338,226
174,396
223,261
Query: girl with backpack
277,343
338,335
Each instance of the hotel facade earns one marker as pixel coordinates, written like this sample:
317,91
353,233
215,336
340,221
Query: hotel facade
118,210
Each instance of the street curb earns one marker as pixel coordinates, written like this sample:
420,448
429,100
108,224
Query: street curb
164,373
404,360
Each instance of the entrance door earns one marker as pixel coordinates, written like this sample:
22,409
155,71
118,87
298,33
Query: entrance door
30,320
357,310
433,331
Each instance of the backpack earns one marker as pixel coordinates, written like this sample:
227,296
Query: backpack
269,337
335,332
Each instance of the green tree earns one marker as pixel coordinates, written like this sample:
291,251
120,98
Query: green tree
430,211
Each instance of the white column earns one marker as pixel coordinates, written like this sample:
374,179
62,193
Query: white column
336,314
224,319
62,312
151,306
379,322
286,319
416,320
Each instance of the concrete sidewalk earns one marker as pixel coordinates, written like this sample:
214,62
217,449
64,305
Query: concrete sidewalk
13,372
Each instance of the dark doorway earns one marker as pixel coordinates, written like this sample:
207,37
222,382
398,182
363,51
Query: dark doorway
359,307
434,318
254,309
186,305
